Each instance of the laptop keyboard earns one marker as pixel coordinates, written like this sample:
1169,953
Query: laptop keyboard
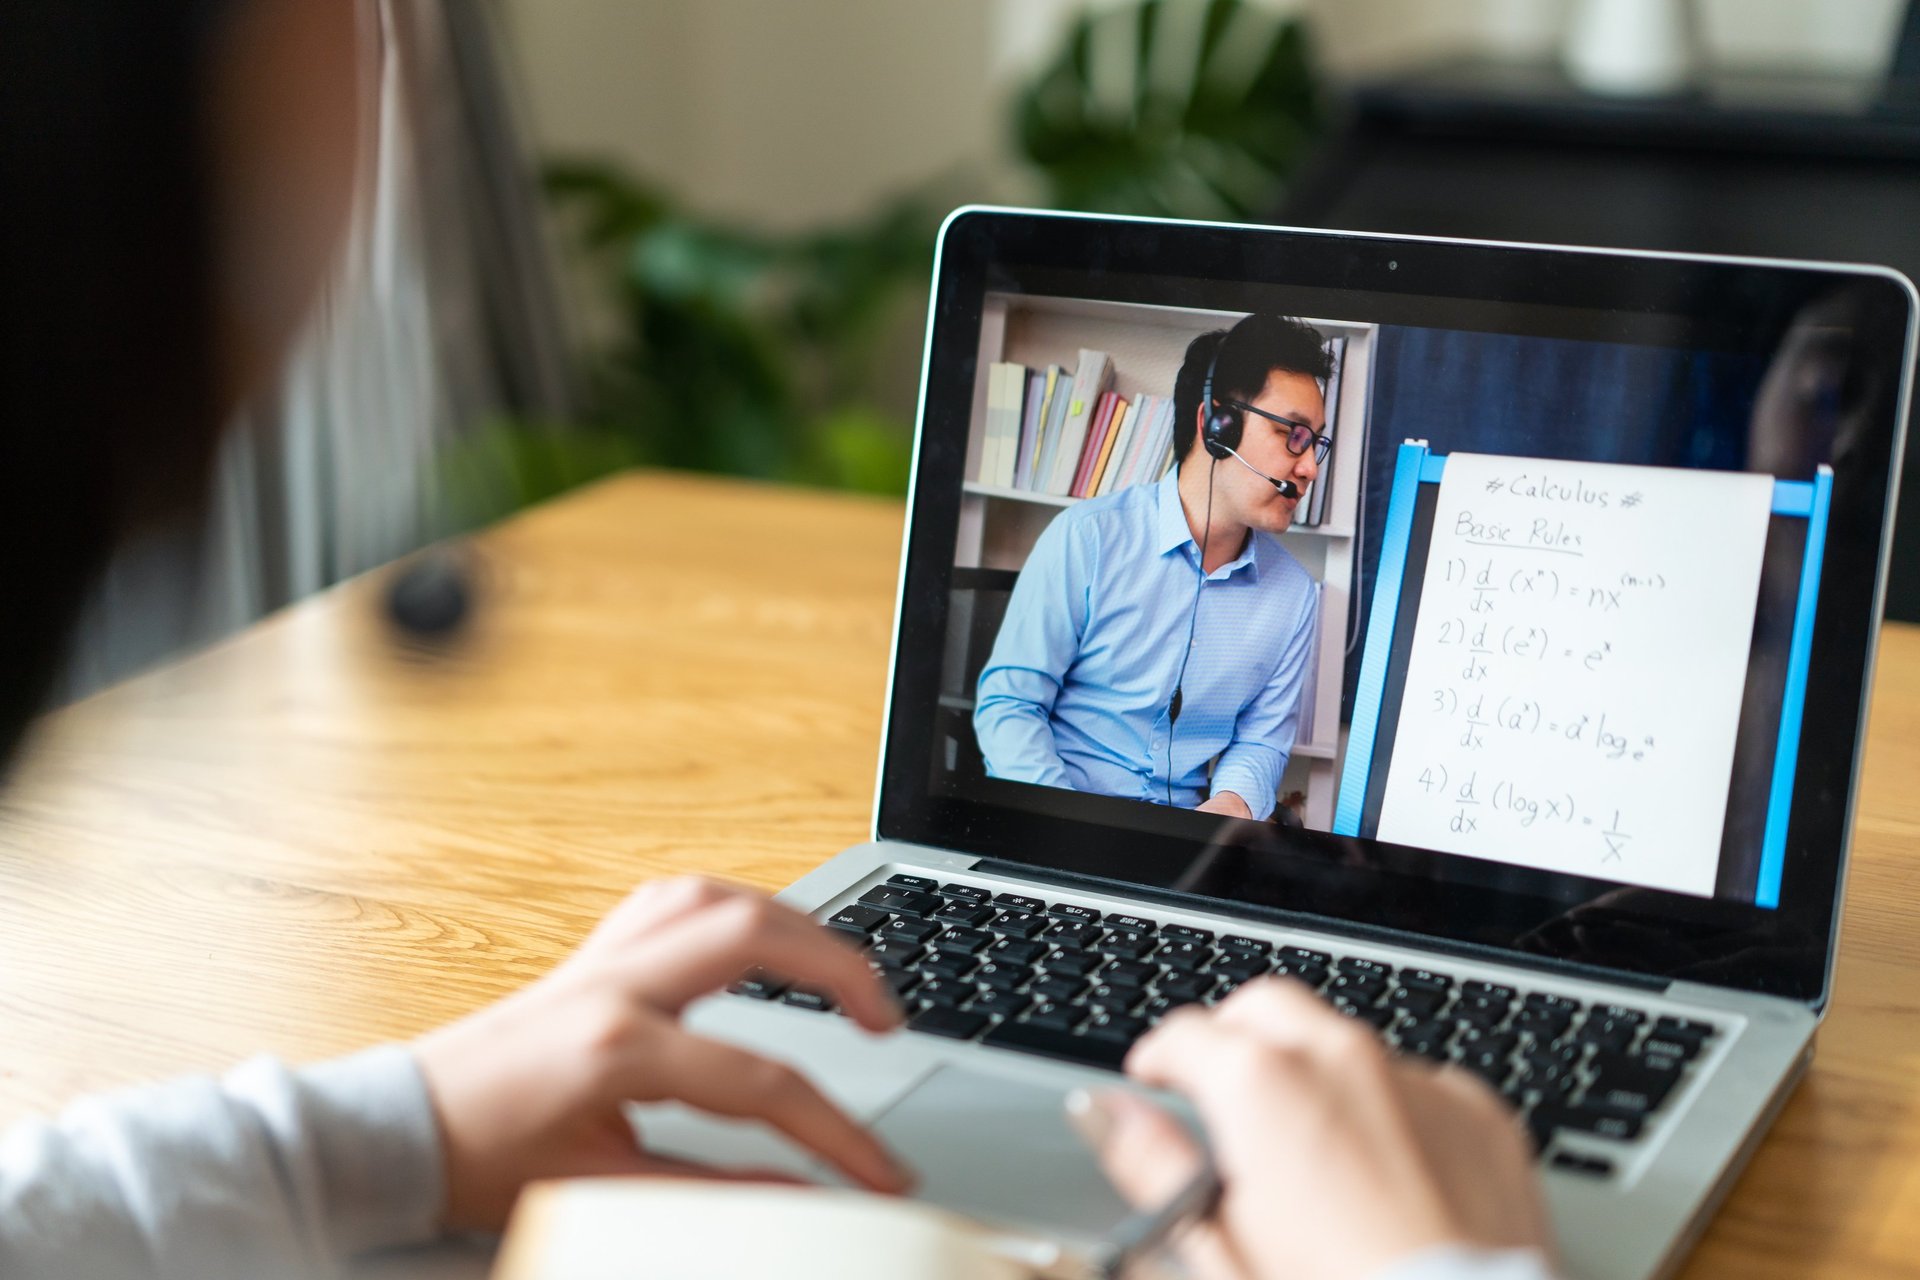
1066,981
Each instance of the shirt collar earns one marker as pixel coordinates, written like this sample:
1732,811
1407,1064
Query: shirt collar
1171,532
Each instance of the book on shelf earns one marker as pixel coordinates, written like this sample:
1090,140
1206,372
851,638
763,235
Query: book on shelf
1032,431
1000,438
1107,469
1098,429
1092,377
1034,397
1052,422
1152,438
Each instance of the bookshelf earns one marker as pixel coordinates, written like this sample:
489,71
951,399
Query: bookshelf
998,526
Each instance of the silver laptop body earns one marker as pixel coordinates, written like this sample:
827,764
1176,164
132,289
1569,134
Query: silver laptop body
1718,996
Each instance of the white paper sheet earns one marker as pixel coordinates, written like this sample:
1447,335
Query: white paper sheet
1578,662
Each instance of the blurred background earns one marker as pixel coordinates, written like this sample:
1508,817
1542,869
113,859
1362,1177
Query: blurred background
697,233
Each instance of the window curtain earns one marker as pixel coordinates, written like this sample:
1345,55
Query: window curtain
441,318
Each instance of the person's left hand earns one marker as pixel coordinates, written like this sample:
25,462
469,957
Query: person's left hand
533,1087
1226,804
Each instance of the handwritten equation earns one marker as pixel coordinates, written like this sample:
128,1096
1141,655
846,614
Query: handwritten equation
1573,690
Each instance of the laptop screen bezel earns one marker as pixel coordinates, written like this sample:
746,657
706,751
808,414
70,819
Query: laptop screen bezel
1313,876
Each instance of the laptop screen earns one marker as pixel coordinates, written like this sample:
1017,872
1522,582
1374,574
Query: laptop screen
1512,597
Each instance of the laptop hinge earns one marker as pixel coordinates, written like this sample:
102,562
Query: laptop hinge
1324,924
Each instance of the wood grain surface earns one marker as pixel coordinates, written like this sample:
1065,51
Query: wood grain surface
316,836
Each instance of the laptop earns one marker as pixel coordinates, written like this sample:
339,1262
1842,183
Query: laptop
1518,710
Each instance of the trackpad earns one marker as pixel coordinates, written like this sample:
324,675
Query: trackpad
1001,1150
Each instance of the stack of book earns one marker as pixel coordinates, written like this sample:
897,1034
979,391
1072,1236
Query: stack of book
1069,434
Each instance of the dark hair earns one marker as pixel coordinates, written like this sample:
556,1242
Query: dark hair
108,405
1248,353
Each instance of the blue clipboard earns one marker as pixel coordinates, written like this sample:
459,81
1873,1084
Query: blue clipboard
1416,465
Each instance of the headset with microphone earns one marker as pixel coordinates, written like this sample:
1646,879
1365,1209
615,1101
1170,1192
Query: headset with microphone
1223,427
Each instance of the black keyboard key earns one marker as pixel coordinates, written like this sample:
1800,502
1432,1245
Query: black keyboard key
1634,1084
1606,1035
1494,1073
952,1023
1054,1016
1377,1018
1107,995
1226,987
1132,924
1075,964
1007,1004
1557,1004
901,980
1558,1057
1479,990
1059,988
1158,1007
1426,978
964,940
1069,911
895,953
970,914
1016,951
1361,965
947,993
1426,1039
1001,975
1578,1162
1606,1122
948,964
1670,1028
1312,975
1416,1002
759,986
1306,956
1240,967
1019,902
1186,988
909,931
1619,1013
1128,973
1544,1025
815,1001
900,899
1032,1036
1685,1050
1070,933
1487,1011
1245,945
1025,925
1357,988
1491,1060
1496,1044
1186,933
1184,953
1127,946
971,892
861,920
1114,1024
926,884
1554,1085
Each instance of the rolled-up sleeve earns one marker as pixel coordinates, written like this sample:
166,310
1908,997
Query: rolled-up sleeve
1264,731
269,1174
1038,642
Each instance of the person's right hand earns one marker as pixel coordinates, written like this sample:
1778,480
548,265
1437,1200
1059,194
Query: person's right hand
1337,1160
535,1086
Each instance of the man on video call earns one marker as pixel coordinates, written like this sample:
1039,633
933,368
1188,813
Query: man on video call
1125,668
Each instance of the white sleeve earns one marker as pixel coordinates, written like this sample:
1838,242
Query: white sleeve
267,1174
1461,1262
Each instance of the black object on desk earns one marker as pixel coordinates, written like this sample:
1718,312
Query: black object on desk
1821,167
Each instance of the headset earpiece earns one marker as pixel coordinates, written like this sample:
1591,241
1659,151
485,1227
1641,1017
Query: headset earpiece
1221,426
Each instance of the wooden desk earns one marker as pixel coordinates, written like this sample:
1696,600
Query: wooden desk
308,839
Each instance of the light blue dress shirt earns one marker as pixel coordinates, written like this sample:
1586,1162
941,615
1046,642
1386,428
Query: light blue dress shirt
1076,691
